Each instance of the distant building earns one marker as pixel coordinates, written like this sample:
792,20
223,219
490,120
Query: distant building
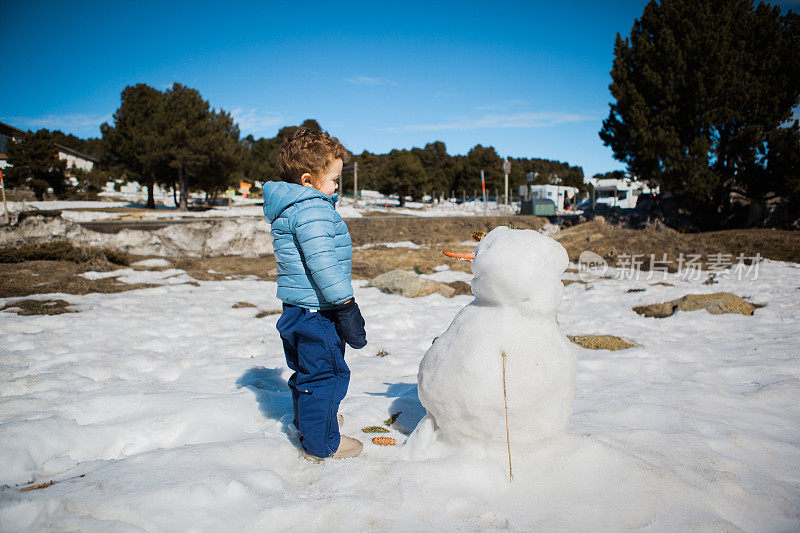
74,158
8,134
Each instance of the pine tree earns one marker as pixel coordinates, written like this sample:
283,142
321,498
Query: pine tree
224,154
35,163
135,141
704,92
403,174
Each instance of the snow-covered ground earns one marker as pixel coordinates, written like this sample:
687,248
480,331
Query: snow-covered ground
84,211
166,409
243,236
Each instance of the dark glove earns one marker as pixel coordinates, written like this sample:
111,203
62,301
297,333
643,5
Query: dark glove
350,324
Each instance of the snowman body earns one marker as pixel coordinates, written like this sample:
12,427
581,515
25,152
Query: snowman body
504,354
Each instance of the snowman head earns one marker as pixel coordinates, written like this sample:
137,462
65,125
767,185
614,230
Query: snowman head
519,268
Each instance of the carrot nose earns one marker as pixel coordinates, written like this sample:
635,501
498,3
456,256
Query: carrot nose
461,256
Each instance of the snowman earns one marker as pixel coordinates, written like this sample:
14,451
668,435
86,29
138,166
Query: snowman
503,373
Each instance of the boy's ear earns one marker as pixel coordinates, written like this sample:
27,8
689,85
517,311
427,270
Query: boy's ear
305,180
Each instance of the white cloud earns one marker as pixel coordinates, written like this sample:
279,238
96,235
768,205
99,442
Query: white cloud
369,81
256,122
541,119
70,123
504,105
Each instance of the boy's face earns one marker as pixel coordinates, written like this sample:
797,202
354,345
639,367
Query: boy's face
328,182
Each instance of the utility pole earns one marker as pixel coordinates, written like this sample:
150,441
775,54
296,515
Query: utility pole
483,189
355,183
506,171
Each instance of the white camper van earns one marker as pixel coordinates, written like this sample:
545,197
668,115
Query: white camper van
622,193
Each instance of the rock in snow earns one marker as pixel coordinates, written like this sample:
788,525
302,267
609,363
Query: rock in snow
717,304
409,284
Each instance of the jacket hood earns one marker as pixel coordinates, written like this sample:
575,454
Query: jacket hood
278,195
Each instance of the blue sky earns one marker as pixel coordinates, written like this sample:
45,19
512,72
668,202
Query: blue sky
529,78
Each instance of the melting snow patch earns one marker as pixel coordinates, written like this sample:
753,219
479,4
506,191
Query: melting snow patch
128,275
401,244
152,263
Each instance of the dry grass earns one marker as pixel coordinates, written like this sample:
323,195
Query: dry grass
461,287
602,342
45,277
373,262
611,241
226,267
63,251
431,231
269,312
716,304
39,307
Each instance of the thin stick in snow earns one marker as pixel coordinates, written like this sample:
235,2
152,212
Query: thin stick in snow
505,402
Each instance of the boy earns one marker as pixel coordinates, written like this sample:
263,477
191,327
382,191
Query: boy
313,252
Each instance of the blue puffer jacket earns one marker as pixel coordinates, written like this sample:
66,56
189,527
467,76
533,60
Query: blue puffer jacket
312,245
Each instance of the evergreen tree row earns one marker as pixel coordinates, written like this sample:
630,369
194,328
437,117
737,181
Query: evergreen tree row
432,170
174,139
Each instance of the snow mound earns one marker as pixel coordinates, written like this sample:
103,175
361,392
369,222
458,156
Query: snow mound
151,263
247,237
401,244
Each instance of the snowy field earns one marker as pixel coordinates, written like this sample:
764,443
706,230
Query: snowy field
82,211
165,409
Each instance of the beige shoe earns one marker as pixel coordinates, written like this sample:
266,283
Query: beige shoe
348,447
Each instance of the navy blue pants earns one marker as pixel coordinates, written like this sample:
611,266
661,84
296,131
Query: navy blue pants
315,352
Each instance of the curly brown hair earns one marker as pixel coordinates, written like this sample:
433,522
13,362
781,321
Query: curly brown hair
309,151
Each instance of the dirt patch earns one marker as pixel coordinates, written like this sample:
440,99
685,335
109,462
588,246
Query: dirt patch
45,277
239,305
39,307
219,268
617,244
54,267
269,312
62,250
461,287
716,304
383,214
373,262
602,342
367,264
429,230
